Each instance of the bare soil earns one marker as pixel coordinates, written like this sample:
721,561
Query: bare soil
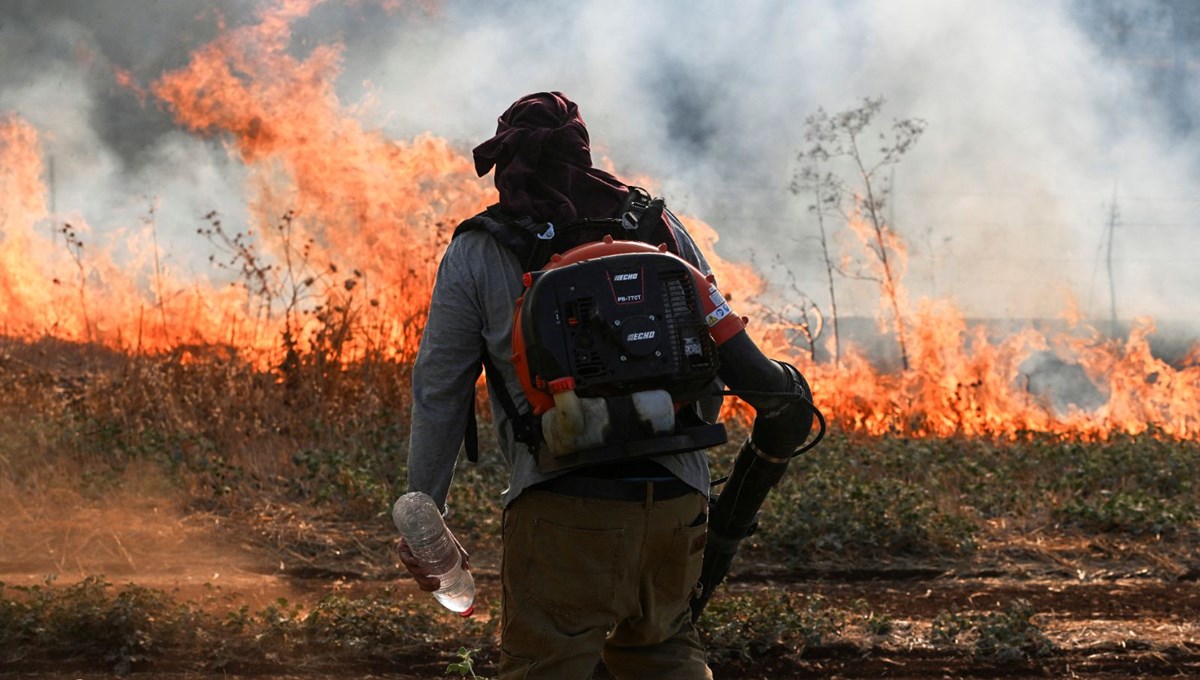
1111,608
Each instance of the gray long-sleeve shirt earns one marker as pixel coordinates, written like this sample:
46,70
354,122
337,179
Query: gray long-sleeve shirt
474,294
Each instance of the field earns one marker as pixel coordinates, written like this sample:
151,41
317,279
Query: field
190,515
218,245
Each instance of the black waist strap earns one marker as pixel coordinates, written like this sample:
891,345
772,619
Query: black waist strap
615,489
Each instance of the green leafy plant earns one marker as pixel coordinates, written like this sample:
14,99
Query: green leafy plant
1009,635
744,627
1131,512
134,628
86,621
465,666
872,622
838,502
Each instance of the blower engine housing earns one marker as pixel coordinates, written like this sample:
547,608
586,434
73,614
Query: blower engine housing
610,319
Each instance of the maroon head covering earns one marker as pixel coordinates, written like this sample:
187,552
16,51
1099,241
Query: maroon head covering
544,163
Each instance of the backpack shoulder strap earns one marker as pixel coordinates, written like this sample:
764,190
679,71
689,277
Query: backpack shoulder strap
526,429
521,236
644,217
641,218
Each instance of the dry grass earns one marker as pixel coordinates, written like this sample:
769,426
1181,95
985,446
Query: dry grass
212,419
189,471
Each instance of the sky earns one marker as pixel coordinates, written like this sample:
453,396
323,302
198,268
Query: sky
1045,121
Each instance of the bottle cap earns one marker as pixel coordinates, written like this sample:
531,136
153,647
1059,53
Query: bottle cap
470,610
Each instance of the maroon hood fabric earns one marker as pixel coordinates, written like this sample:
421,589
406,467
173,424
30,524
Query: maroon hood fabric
543,163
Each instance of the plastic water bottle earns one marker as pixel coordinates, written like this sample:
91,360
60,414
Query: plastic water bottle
420,523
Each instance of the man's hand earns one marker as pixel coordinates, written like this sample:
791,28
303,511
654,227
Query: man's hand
420,574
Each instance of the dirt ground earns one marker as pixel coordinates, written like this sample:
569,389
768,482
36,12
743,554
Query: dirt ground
1111,609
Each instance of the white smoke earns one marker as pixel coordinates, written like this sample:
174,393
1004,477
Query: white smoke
1032,122
112,160
1036,112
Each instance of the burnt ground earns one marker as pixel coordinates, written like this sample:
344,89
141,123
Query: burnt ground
1117,628
1109,608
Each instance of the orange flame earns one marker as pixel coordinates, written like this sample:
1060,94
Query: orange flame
886,262
53,284
126,80
963,382
360,201
22,205
346,226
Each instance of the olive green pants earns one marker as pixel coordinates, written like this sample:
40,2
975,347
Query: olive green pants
586,579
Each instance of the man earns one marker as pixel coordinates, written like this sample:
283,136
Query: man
599,562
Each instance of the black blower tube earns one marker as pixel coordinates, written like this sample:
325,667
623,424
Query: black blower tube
733,518
781,425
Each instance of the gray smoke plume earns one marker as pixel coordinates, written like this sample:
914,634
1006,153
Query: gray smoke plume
1046,120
